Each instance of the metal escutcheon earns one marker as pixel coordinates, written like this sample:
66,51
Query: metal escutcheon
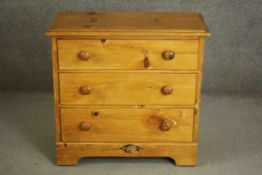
130,148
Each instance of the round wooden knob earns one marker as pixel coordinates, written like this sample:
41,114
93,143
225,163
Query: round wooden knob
167,90
166,124
85,126
83,55
168,55
85,90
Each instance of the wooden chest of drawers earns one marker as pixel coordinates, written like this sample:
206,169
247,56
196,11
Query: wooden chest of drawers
127,85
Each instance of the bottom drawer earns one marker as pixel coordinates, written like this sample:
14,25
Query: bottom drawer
130,125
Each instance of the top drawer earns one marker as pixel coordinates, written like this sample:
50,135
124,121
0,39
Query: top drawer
128,54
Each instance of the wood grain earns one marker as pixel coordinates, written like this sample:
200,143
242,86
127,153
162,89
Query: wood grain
126,125
128,54
184,154
198,88
56,88
115,95
127,89
67,23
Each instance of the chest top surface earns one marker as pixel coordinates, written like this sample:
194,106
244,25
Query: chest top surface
73,23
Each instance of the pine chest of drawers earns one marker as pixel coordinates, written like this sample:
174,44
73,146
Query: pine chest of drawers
127,85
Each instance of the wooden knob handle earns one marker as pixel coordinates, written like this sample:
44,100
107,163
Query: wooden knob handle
83,55
168,55
167,124
84,126
167,90
85,90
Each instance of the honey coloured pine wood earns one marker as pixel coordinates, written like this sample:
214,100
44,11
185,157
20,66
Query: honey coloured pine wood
127,84
128,24
183,154
126,88
128,54
127,125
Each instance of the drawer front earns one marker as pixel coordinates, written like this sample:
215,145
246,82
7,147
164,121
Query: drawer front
130,125
128,54
127,89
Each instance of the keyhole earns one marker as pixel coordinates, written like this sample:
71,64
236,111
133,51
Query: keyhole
95,114
146,59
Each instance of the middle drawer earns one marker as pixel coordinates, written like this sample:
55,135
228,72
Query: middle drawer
127,88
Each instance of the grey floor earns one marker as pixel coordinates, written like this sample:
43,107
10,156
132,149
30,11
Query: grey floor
230,140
